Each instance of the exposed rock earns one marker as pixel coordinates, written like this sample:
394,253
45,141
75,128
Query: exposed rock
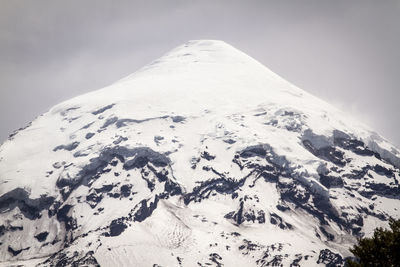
116,228
328,153
132,158
119,140
330,259
123,122
219,185
30,208
331,181
229,141
246,215
126,190
15,252
207,156
62,216
177,119
109,122
158,139
357,146
101,110
62,259
89,135
143,210
42,236
277,220
382,170
68,147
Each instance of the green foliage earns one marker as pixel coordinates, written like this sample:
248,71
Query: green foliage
382,249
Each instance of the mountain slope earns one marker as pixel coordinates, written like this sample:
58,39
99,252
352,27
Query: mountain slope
203,157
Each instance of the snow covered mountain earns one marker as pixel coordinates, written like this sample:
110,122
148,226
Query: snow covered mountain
202,158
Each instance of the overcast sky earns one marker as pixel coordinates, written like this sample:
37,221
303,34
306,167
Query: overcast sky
345,52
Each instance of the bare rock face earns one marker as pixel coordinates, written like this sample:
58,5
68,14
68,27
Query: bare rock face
203,157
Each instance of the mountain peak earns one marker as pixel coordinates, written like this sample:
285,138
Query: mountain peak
195,55
203,157
207,43
208,51
195,70
196,47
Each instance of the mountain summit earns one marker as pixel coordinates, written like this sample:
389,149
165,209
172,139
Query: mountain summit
204,157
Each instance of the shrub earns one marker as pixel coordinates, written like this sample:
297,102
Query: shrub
382,249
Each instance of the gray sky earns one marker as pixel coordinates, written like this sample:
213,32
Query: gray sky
345,52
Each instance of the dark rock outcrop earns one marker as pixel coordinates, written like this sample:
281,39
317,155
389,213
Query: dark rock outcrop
101,110
330,259
30,208
68,147
42,236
